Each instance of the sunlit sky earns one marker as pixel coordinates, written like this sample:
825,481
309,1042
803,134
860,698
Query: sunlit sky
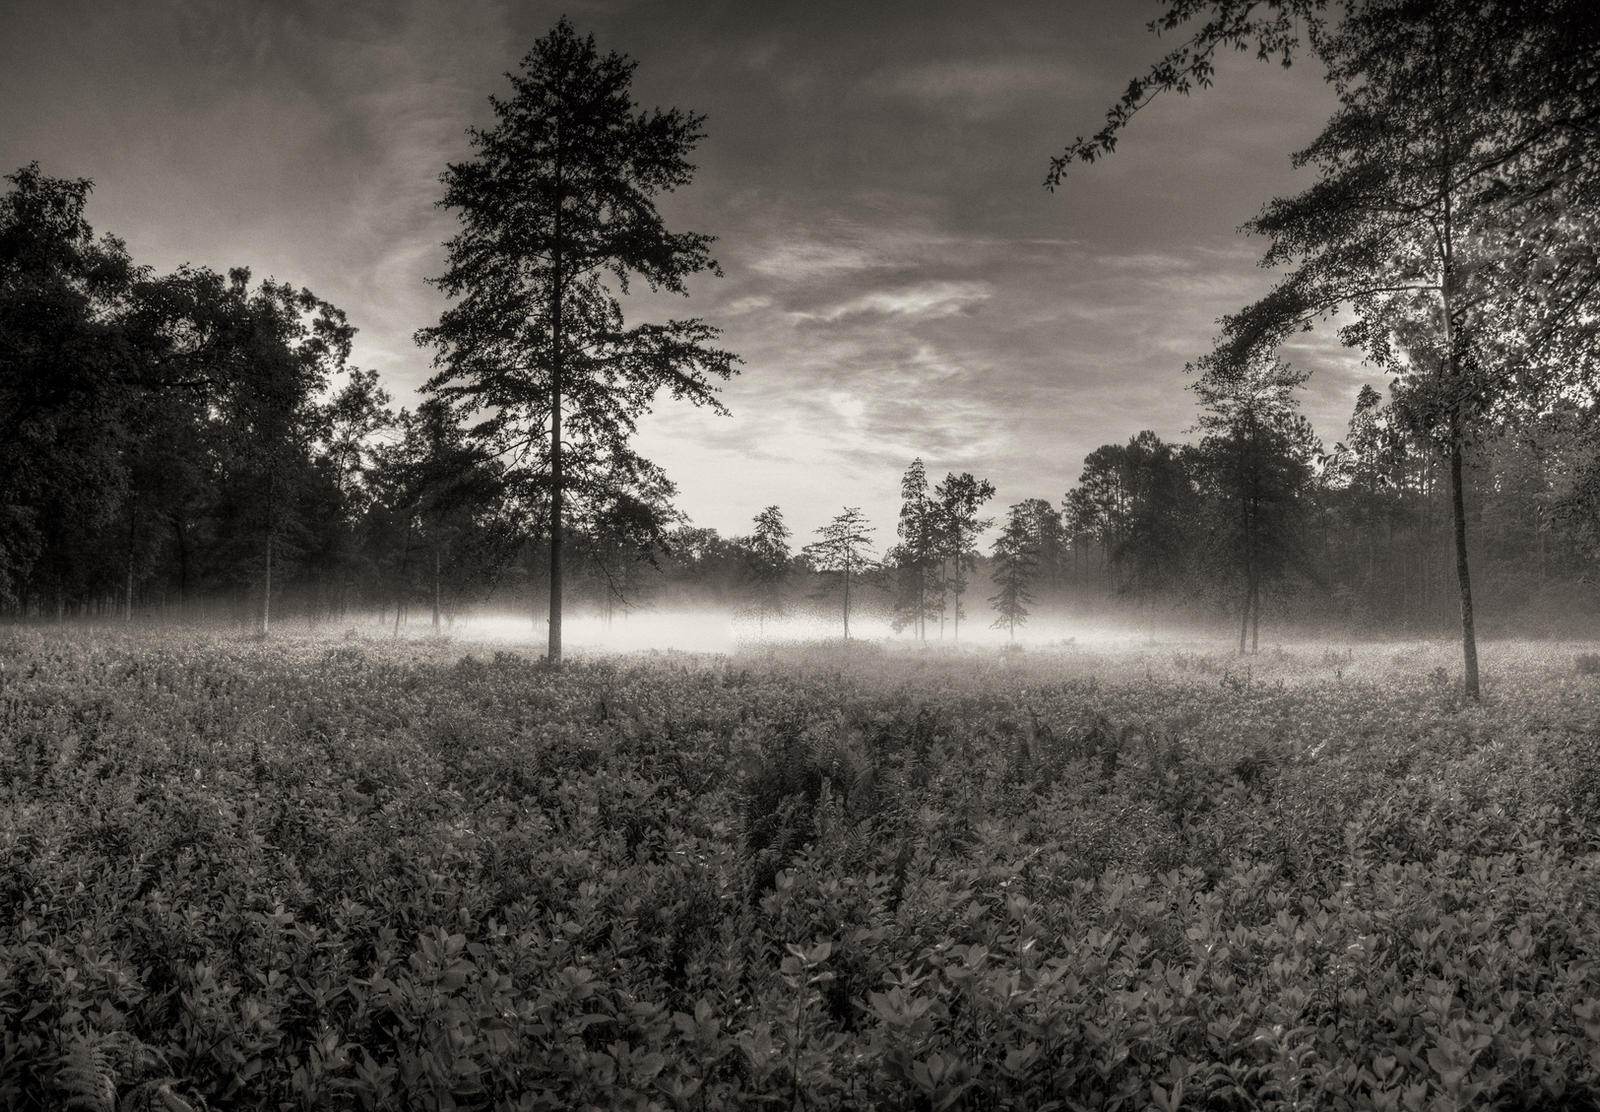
897,280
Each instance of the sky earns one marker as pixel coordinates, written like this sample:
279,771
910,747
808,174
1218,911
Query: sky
896,278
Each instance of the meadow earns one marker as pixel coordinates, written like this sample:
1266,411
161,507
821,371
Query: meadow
362,873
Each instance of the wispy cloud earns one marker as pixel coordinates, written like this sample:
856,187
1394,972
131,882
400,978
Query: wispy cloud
799,260
927,300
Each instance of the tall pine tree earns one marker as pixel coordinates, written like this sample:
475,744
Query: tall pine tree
558,214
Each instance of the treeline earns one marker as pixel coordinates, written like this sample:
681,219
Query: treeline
1356,536
198,444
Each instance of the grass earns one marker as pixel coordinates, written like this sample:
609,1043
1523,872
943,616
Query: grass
352,874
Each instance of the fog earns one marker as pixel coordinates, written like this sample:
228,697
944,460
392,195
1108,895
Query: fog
714,630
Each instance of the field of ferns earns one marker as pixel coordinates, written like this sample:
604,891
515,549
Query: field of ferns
362,874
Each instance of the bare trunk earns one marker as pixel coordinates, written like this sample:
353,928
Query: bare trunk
847,600
1255,618
436,589
1458,513
1469,641
266,589
553,653
1244,613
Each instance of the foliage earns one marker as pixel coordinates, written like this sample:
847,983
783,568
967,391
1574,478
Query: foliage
842,549
1455,197
878,879
1016,563
918,586
1257,461
956,528
558,213
769,561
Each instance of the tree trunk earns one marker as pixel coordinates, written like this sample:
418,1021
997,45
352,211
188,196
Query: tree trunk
436,588
956,580
1458,513
1469,641
847,600
553,652
1244,612
183,561
266,590
1255,618
400,582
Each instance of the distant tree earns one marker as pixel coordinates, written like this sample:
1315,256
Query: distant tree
1049,535
558,213
916,557
1080,520
842,549
453,489
1016,563
279,346
957,501
1100,505
1158,529
1257,454
352,419
622,539
769,563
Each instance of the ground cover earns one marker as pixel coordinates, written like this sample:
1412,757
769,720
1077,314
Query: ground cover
369,874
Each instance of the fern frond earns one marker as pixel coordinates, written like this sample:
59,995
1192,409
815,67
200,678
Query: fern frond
156,1096
86,1078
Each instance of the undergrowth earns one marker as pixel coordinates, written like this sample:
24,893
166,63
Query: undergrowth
386,876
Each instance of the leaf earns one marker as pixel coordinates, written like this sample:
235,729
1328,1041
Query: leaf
86,1077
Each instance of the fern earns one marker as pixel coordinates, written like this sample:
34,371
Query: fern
86,1077
157,1096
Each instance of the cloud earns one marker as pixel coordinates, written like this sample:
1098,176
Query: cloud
928,300
897,282
749,304
804,259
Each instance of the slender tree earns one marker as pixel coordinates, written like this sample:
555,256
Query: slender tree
957,501
842,548
558,214
916,555
1016,563
1461,163
769,562
1049,536
1257,452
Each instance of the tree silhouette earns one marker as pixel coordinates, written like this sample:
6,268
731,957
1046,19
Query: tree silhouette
1457,191
1152,555
1257,454
1016,563
957,501
769,562
841,548
557,215
915,558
